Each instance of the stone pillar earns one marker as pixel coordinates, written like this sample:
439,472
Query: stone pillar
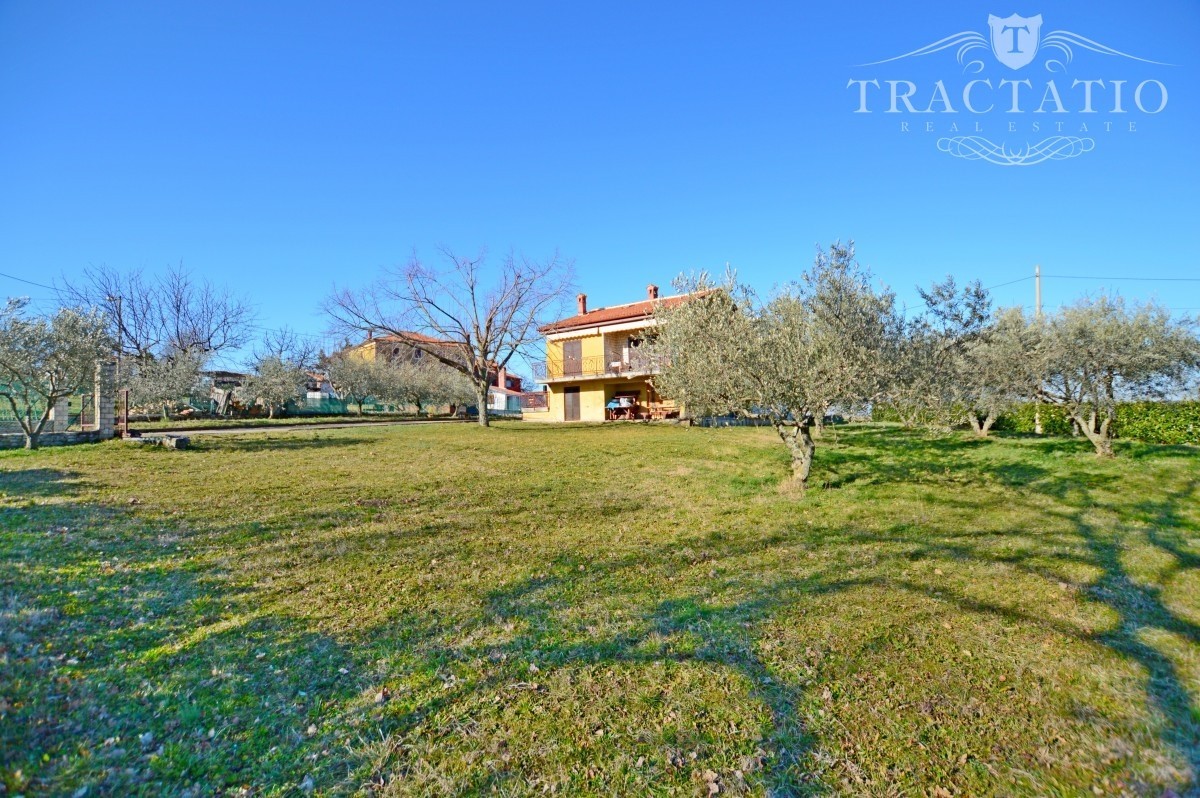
59,416
106,399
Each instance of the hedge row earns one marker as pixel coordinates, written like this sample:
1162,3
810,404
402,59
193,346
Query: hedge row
1151,422
1159,422
1022,418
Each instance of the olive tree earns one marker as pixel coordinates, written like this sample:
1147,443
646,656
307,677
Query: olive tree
1098,351
997,370
43,360
280,370
466,316
927,355
356,379
424,382
816,343
163,381
273,383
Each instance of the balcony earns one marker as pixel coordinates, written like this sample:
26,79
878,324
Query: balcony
593,367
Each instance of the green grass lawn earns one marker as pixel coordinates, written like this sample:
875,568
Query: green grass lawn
619,610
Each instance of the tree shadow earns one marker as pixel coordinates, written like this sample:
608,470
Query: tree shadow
131,668
44,482
1145,451
1137,606
1140,607
265,442
1167,523
171,645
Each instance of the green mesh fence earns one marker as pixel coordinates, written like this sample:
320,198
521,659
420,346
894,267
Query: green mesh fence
80,412
8,419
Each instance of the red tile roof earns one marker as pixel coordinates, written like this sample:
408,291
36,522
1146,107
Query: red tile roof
634,311
409,336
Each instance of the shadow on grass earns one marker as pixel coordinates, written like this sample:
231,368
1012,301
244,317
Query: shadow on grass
130,668
264,442
170,647
44,482
1145,451
1139,607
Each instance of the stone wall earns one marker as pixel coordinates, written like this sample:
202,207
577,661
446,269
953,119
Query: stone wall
17,441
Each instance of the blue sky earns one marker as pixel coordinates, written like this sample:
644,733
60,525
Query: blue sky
283,148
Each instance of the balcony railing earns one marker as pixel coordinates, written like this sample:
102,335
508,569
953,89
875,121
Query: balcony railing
534,401
594,366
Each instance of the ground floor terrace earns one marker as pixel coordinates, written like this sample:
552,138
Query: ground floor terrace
619,399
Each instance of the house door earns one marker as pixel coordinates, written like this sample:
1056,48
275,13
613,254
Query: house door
571,404
572,358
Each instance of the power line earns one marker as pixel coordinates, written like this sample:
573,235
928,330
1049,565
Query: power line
1134,279
28,282
1010,282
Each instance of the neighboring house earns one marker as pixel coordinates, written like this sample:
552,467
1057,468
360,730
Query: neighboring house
393,347
504,393
318,388
596,368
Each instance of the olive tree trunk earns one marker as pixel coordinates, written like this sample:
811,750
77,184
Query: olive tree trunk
981,427
1100,434
32,429
797,436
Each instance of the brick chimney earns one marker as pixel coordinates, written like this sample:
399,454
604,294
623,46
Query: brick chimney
370,333
582,300
652,291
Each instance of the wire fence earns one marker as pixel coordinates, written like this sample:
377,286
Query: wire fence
81,413
9,421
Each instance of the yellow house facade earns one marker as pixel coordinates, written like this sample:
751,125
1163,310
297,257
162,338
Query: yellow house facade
596,366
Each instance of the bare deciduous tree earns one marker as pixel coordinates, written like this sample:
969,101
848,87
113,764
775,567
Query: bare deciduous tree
43,360
149,315
466,317
287,345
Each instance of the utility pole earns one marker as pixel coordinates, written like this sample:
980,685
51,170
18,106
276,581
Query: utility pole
1037,283
120,335
1037,303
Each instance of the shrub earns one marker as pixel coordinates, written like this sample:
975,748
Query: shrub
1159,422
1150,422
1022,419
884,412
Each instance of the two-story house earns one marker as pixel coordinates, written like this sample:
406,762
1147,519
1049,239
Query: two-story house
504,389
596,368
